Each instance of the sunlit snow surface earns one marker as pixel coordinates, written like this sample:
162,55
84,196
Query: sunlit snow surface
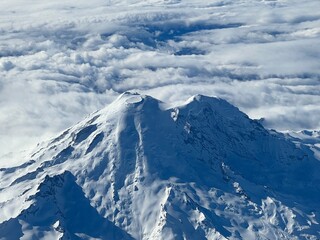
60,60
139,169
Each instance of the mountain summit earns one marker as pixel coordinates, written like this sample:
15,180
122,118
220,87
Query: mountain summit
138,169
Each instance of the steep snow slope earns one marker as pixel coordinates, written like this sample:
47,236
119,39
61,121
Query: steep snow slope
140,169
309,138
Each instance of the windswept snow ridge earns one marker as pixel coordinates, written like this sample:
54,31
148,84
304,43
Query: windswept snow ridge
139,169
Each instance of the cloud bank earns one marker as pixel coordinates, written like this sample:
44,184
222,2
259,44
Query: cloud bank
62,60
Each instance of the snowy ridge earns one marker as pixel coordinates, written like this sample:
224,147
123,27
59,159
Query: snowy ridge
141,170
60,211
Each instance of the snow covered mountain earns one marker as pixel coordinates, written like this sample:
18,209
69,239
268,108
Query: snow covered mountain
139,169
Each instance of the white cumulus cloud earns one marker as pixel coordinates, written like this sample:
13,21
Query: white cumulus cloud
60,60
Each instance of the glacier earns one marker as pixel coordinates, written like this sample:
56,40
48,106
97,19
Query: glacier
142,169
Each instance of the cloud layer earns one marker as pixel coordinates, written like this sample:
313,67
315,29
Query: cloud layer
60,60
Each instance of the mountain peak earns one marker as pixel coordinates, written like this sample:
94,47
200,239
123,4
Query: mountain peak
220,106
128,102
